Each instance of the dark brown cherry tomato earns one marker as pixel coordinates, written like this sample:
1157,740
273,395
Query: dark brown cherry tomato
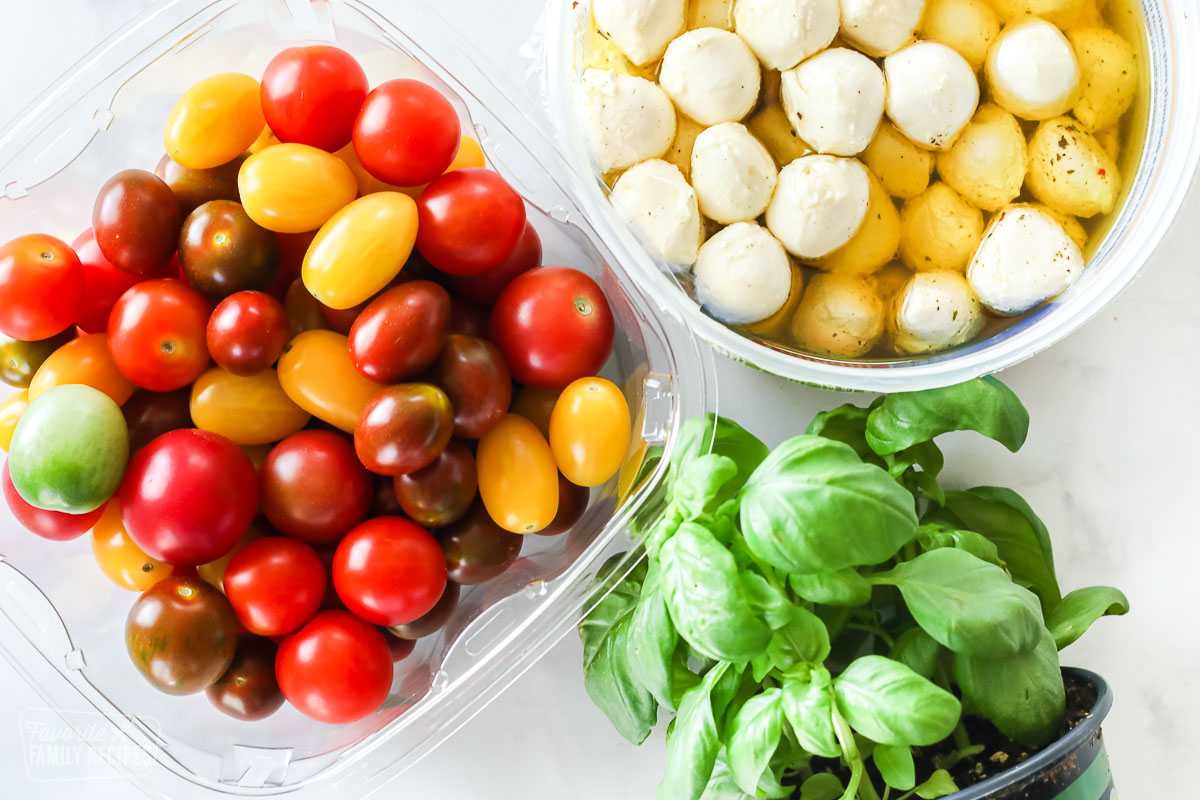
403,428
442,492
474,376
303,310
399,334
156,334
275,585
102,284
223,251
469,221
248,690
385,503
572,502
151,414
432,622
19,360
195,187
484,288
389,571
247,332
181,634
536,405
476,548
399,648
136,219
313,487
39,287
466,319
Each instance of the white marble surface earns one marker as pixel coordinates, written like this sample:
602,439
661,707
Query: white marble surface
1109,465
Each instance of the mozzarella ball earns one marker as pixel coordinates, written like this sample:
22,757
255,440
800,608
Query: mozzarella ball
654,199
819,204
1071,226
1024,260
601,53
1108,76
839,315
881,27
834,101
986,163
1063,13
775,326
931,93
1032,70
934,311
782,33
876,241
939,230
733,174
890,280
742,274
968,26
628,119
902,167
641,28
1070,171
711,75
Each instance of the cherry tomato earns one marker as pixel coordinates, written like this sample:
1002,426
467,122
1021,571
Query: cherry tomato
518,481
469,154
213,572
122,561
536,405
194,187
474,376
589,431
553,325
266,138
188,496
181,635
389,571
101,284
293,188
316,372
406,133
403,428
399,334
85,360
312,94
340,320
151,414
384,503
572,502
368,183
214,121
442,492
53,525
336,669
136,220
469,221
399,648
466,319
248,690
247,410
484,288
40,281
314,488
157,334
433,621
292,247
302,310
275,585
20,360
223,251
247,332
10,414
477,549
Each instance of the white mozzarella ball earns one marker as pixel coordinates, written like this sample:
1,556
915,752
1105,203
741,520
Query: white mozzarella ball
834,101
628,119
782,33
732,172
1032,70
931,93
933,311
881,27
642,29
819,204
742,274
654,199
711,75
1025,259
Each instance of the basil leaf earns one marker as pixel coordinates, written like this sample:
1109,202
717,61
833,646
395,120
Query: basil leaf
846,423
1071,618
771,604
939,784
610,606
652,642
706,599
803,639
1022,695
721,786
967,605
895,765
694,743
888,703
917,650
611,685
808,707
984,404
753,737
701,484
813,506
822,786
933,536
845,587
710,433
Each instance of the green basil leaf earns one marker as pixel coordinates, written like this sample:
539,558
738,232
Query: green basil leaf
610,606
770,603
682,678
1022,695
813,506
652,642
967,605
710,433
753,737
1071,618
895,765
808,708
611,685
984,404
845,587
701,485
694,742
705,596
848,424
760,666
822,786
721,786
924,484
933,536
803,639
939,784
888,703
917,650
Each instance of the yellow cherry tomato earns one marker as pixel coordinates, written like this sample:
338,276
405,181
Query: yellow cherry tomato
293,188
213,572
368,183
518,481
589,431
84,360
469,154
536,405
10,413
257,453
215,121
360,249
265,139
122,561
316,372
252,409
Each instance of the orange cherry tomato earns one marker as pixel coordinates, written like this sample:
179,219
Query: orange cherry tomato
589,431
214,121
122,561
250,409
518,481
10,413
84,360
293,188
316,372
213,572
536,404
469,154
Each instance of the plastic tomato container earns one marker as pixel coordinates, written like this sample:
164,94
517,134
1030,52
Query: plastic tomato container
62,622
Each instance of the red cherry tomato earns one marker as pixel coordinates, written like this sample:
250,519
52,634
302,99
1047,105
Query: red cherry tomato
406,133
469,221
341,320
137,220
156,334
400,333
247,332
432,622
188,497
484,288
101,284
389,571
472,373
312,94
466,319
399,648
53,525
403,428
336,669
275,585
553,325
314,488
39,287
